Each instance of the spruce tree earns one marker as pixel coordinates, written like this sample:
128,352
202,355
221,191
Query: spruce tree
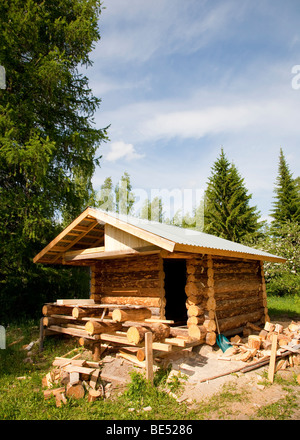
106,200
48,139
287,199
153,210
124,196
228,213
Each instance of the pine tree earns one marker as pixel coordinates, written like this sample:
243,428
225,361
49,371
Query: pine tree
228,213
48,140
153,210
106,200
124,196
287,199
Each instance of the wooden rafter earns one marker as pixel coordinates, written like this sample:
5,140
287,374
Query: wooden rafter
83,233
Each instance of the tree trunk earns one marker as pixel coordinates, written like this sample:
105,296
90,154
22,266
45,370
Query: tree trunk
96,327
131,314
79,312
197,332
137,334
52,309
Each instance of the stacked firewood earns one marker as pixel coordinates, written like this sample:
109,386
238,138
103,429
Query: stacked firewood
73,377
257,343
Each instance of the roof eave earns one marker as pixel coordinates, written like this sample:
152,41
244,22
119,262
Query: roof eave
227,253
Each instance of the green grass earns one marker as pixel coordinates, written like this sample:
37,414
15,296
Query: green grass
284,307
21,392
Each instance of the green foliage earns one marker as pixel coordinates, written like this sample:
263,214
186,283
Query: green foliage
228,213
287,198
153,210
106,200
284,241
124,196
48,142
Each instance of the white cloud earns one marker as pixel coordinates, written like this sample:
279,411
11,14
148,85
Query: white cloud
121,150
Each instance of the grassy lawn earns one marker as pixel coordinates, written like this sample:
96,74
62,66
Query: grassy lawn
21,392
284,307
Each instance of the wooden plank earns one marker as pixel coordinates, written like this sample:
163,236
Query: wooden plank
110,254
71,332
149,356
272,358
61,235
134,230
78,369
75,301
159,346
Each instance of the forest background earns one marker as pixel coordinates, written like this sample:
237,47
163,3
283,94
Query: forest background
48,156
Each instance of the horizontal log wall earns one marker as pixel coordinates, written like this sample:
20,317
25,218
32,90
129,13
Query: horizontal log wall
238,292
132,280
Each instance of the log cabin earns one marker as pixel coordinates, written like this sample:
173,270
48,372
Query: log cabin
189,277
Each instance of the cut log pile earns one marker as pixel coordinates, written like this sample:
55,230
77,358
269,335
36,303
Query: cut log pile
74,378
119,325
257,345
98,326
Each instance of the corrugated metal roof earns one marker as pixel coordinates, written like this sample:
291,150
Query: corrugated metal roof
189,236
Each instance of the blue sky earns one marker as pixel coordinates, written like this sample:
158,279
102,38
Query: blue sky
179,80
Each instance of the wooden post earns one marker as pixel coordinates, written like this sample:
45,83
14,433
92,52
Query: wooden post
272,358
149,356
42,335
97,351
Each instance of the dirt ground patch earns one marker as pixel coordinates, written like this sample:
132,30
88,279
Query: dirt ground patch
252,389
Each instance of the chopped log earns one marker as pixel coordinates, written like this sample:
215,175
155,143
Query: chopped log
79,312
140,355
60,399
74,378
283,340
131,314
53,392
94,395
278,328
254,342
136,334
269,327
263,334
196,320
197,332
210,325
96,327
138,352
293,327
76,391
51,309
210,338
195,311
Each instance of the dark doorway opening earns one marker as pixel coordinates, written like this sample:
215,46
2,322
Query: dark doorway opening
175,281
